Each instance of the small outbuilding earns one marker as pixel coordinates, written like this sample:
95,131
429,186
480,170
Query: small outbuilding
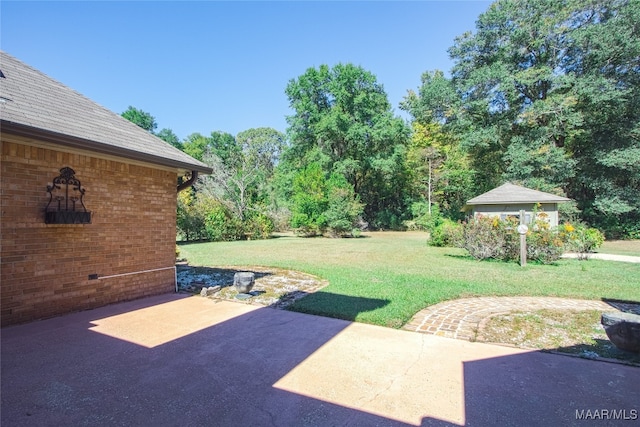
88,201
509,199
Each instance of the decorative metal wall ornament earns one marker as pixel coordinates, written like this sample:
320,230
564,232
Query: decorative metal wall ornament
66,200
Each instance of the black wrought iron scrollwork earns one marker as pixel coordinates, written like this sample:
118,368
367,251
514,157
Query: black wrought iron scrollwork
69,205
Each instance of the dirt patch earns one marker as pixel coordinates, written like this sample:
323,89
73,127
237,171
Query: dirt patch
565,331
274,287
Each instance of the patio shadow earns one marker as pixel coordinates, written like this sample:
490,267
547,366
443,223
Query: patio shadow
157,361
541,389
322,303
176,360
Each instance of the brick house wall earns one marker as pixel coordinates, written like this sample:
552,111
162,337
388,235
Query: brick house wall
45,268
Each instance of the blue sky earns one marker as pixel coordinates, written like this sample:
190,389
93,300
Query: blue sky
207,65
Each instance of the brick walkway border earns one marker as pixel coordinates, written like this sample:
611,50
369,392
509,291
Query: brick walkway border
461,318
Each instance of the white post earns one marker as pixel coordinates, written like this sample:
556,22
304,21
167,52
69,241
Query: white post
429,195
522,230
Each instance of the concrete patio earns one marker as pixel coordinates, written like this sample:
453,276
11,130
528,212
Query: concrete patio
176,360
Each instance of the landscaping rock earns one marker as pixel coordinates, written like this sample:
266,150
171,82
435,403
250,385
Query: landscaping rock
273,287
207,292
623,329
244,281
212,290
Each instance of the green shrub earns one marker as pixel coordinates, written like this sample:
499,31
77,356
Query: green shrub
422,219
191,214
447,233
343,207
309,201
320,204
307,225
259,226
221,225
580,238
387,220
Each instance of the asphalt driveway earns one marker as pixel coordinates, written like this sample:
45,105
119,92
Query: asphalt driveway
174,360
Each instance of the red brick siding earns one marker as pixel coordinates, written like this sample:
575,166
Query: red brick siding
45,267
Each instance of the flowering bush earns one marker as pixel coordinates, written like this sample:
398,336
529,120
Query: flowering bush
490,237
544,245
580,239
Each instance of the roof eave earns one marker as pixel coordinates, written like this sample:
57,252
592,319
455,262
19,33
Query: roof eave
81,143
513,202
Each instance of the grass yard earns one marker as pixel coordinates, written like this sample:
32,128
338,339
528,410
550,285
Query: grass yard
621,247
385,278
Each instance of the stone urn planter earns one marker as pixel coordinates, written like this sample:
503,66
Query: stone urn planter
623,329
244,282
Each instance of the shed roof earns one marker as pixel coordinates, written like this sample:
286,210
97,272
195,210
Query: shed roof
36,106
511,194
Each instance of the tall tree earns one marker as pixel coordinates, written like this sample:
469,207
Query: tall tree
265,144
196,145
143,119
606,55
518,106
547,96
167,135
241,168
225,146
342,114
221,144
440,168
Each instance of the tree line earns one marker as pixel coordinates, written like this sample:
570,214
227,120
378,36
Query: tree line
544,93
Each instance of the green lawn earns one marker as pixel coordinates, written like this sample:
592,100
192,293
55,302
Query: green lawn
385,278
621,247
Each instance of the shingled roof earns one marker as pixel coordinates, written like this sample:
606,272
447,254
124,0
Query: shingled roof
512,194
36,106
